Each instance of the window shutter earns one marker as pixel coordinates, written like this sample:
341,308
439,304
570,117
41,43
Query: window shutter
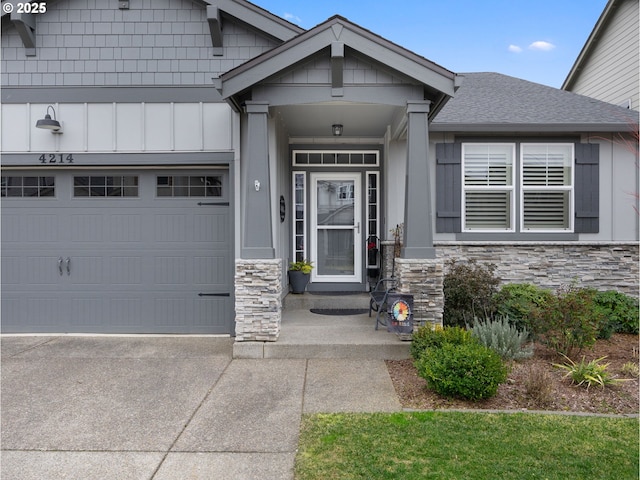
587,188
448,187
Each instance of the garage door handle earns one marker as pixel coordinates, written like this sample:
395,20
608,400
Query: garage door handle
68,264
60,265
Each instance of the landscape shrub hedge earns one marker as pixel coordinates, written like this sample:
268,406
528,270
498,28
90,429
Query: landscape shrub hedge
468,292
468,370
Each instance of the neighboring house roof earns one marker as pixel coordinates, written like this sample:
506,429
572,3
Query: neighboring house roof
605,18
607,66
492,102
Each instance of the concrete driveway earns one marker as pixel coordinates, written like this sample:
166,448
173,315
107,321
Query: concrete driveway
166,407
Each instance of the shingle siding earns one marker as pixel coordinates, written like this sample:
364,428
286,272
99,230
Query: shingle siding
86,42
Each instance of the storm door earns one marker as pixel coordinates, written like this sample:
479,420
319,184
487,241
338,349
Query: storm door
336,238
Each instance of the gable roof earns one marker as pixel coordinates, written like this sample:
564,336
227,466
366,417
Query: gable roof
438,81
605,19
256,17
492,102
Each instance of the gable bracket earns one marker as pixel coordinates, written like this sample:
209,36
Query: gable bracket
215,28
337,69
25,24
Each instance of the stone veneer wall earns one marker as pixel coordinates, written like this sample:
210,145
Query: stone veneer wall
603,266
422,278
600,265
258,300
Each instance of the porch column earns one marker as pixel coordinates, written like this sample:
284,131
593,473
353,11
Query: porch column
418,234
257,238
258,277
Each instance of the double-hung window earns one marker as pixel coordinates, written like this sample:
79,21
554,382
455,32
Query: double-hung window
547,187
488,187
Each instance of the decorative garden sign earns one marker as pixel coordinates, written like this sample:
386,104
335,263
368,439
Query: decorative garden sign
400,313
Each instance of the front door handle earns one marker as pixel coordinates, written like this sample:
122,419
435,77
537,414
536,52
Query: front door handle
60,265
68,265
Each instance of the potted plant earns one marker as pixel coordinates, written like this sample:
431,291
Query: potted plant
299,274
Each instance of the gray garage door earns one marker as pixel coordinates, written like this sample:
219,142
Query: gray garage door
116,252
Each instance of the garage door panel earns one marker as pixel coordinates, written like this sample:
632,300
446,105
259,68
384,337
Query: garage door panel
136,265
125,270
211,270
41,270
41,310
125,228
170,228
41,228
87,313
87,228
11,271
125,312
211,228
85,270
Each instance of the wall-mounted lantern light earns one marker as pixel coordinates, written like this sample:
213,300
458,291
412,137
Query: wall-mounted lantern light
50,124
336,129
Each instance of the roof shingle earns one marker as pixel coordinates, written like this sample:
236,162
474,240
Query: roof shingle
497,102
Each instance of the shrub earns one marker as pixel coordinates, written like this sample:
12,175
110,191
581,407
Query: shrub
569,321
619,310
470,370
518,301
538,385
631,368
502,337
589,373
468,292
427,337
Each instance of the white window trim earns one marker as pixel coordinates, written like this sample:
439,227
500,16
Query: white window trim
570,188
305,249
334,165
377,202
506,188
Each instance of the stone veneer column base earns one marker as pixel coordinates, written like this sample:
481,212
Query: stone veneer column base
423,278
258,299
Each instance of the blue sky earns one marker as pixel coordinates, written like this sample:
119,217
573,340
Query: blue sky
538,40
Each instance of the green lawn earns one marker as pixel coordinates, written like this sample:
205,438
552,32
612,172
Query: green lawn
454,445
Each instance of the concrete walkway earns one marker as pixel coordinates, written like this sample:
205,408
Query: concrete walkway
166,407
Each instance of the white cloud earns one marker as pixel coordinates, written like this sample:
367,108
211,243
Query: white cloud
292,18
514,48
542,45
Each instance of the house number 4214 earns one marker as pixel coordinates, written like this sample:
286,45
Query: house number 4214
58,158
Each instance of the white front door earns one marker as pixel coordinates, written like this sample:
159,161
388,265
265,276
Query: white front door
336,238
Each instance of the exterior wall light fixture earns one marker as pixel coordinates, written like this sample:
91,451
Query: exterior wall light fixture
337,130
48,124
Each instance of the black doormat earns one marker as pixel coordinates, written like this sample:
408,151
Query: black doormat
339,311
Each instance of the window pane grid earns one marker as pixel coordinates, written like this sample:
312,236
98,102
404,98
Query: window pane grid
372,219
105,186
486,210
346,158
547,181
189,186
19,186
299,235
488,186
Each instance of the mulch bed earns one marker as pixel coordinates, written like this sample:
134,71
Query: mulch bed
535,384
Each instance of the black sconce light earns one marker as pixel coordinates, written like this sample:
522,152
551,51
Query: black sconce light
48,124
337,130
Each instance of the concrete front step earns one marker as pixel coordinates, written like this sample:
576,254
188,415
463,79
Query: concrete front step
307,301
307,335
255,350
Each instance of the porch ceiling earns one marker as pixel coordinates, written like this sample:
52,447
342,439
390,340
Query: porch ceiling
359,120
